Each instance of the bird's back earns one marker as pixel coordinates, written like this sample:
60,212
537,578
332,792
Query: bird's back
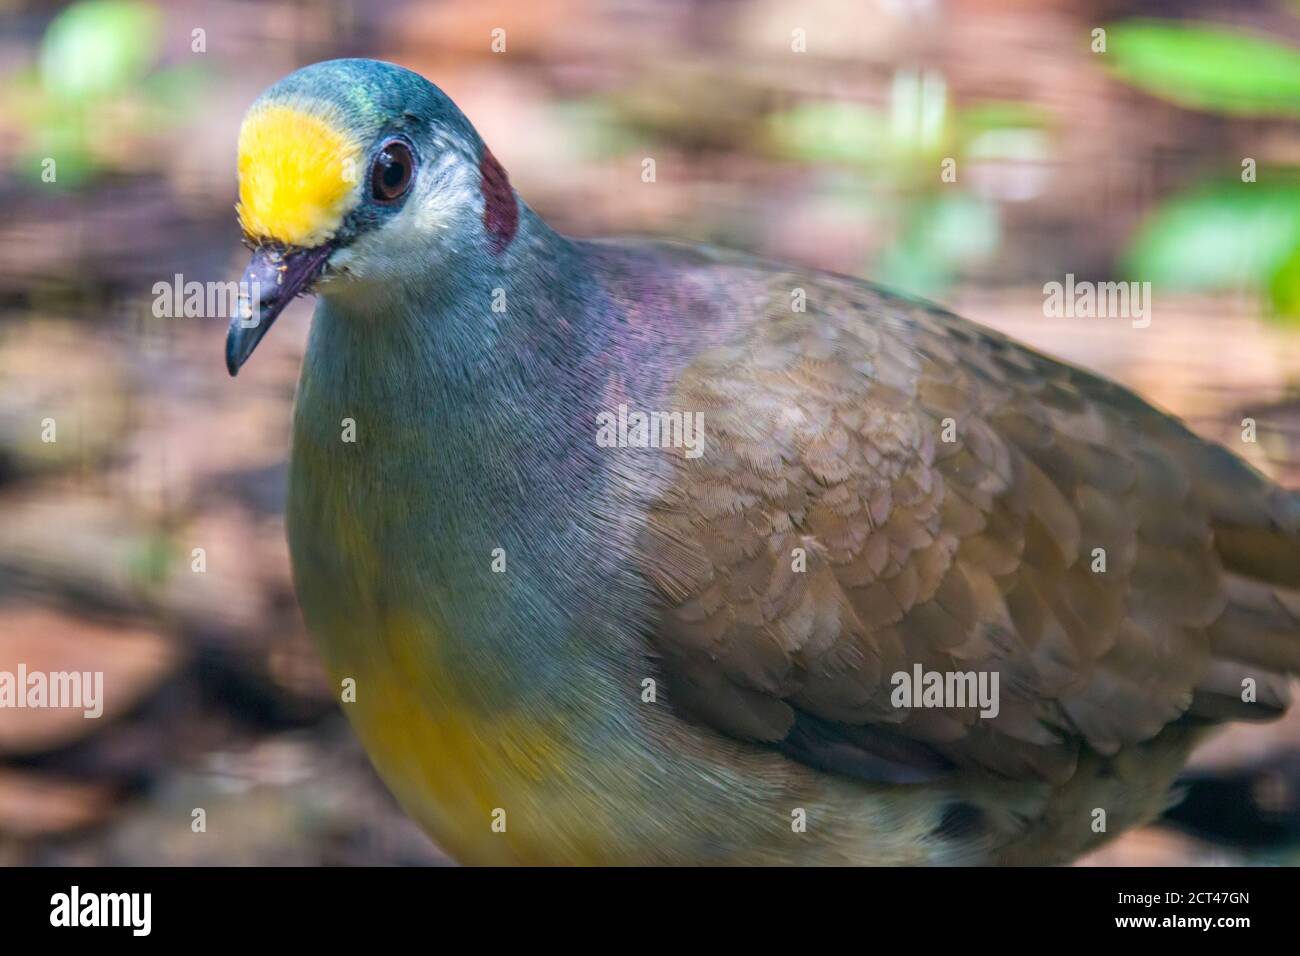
887,487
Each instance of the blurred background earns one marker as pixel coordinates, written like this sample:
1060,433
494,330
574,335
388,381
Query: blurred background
1164,148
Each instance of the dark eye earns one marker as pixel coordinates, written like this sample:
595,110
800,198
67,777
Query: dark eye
390,176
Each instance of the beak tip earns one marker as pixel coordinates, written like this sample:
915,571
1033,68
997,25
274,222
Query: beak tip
284,274
232,359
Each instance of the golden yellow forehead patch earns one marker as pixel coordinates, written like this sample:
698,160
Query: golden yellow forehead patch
297,175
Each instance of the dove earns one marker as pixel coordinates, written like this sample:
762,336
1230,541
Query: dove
631,551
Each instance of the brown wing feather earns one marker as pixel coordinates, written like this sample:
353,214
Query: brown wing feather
824,434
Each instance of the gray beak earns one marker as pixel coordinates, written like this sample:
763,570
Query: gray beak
273,277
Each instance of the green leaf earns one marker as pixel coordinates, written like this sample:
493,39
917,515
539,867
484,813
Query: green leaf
990,115
1225,236
98,47
151,558
61,138
1284,287
1206,66
830,132
943,234
918,111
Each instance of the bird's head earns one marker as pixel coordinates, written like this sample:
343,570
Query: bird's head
357,176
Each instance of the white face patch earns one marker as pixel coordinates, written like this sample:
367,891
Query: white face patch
444,199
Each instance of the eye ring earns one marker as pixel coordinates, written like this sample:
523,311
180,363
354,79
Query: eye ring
392,171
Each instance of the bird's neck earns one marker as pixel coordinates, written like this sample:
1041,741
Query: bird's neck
468,487
484,351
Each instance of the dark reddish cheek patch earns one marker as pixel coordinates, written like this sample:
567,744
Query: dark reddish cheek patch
500,212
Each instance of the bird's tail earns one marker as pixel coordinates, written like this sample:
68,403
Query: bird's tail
1255,643
1254,807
